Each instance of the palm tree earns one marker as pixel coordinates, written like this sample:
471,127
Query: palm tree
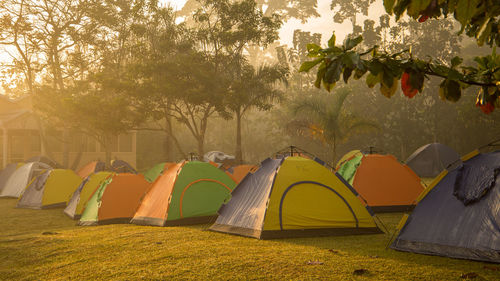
323,117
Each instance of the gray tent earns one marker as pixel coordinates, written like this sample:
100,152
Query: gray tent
459,216
18,181
429,160
6,173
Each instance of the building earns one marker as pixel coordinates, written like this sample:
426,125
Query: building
20,138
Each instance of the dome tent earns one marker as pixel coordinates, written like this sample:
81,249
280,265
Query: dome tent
83,193
51,189
294,196
458,215
17,182
429,160
6,173
115,200
189,192
385,184
90,168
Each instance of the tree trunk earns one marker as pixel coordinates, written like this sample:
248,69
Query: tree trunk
169,148
66,144
201,147
238,153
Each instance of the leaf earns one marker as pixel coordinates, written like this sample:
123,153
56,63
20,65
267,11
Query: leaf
389,91
358,73
332,74
350,59
352,42
372,80
320,74
465,10
306,66
331,42
417,7
456,61
450,90
311,47
347,73
388,4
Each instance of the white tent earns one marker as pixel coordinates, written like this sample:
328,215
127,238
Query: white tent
14,187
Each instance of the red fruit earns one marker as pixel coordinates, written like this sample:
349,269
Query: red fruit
423,18
406,87
487,108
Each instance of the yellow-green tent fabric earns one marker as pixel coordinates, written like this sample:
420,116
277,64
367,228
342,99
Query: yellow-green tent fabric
348,156
51,189
293,197
83,193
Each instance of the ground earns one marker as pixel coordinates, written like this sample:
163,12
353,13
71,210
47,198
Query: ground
45,244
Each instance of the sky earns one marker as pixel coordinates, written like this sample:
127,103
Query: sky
323,24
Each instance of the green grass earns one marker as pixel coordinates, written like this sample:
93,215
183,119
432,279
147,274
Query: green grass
45,244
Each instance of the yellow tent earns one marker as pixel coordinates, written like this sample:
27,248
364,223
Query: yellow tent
292,197
83,193
51,189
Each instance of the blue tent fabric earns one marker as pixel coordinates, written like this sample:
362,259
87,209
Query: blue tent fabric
473,182
429,160
441,224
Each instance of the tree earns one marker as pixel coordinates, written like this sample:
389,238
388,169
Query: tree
387,69
322,117
256,88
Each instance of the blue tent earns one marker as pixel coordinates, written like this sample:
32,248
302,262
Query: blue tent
458,216
429,160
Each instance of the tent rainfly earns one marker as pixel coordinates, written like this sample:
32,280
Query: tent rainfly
186,193
6,173
429,160
51,189
90,168
458,215
17,182
82,194
294,197
115,200
385,184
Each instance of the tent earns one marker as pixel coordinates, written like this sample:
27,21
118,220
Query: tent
90,168
83,192
458,216
50,189
294,197
18,181
115,200
348,156
152,174
239,172
217,157
385,184
429,160
43,159
6,173
121,166
187,193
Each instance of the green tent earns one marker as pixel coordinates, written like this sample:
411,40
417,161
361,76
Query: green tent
186,193
152,174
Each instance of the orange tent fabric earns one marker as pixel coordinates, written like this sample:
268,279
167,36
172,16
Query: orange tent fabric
155,202
384,182
240,171
88,169
122,197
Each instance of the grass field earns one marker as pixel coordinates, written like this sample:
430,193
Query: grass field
45,244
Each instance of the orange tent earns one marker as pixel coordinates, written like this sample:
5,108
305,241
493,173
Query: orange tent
116,200
382,181
237,173
90,168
